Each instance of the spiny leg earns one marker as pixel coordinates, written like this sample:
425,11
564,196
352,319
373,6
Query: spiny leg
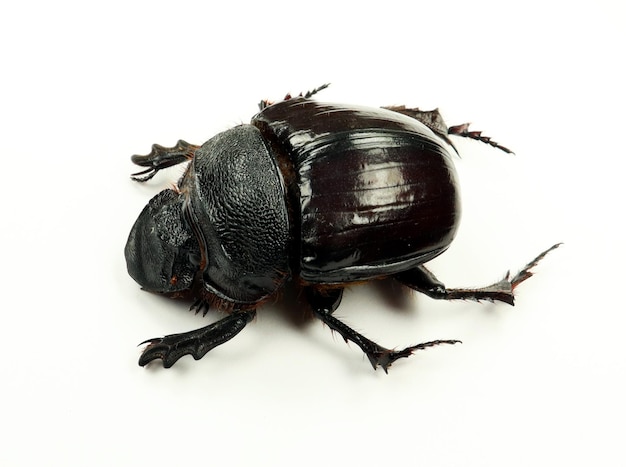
195,343
315,91
266,102
463,130
422,280
161,157
325,303
433,120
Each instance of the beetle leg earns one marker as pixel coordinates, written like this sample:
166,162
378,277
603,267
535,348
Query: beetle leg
462,130
161,157
195,343
422,280
266,103
433,120
311,93
324,304
200,305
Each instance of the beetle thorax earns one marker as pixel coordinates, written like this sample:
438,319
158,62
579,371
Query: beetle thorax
237,198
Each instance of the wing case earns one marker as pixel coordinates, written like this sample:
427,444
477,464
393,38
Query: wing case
375,191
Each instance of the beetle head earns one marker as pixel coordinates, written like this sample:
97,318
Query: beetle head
161,246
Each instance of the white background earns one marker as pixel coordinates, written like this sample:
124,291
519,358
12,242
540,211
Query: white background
86,84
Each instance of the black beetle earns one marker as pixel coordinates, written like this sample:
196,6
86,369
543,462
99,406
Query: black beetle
311,194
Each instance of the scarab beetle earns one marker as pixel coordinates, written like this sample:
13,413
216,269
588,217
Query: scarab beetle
310,195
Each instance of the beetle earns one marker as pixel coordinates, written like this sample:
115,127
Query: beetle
310,195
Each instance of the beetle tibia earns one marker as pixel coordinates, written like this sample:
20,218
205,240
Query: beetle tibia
195,343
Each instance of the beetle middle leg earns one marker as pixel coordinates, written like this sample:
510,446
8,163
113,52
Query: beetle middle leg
266,103
424,281
325,303
195,343
161,157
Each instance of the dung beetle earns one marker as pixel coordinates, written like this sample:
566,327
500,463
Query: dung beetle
310,196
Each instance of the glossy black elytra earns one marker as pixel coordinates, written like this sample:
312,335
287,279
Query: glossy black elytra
311,196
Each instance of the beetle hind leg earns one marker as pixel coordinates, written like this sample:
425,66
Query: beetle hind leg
424,281
161,157
195,343
324,304
463,130
433,120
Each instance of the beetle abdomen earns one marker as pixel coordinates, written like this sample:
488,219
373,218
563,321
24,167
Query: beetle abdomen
377,190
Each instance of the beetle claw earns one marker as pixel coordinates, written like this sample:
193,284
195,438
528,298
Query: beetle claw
200,306
144,175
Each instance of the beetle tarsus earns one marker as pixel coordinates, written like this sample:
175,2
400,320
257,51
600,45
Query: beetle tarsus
311,93
325,303
424,281
200,305
463,130
308,94
526,272
384,357
195,343
161,157
266,102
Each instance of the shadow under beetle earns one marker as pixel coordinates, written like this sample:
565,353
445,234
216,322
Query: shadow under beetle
310,195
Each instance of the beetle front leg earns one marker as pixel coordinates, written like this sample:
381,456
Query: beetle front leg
325,303
161,157
424,281
195,343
